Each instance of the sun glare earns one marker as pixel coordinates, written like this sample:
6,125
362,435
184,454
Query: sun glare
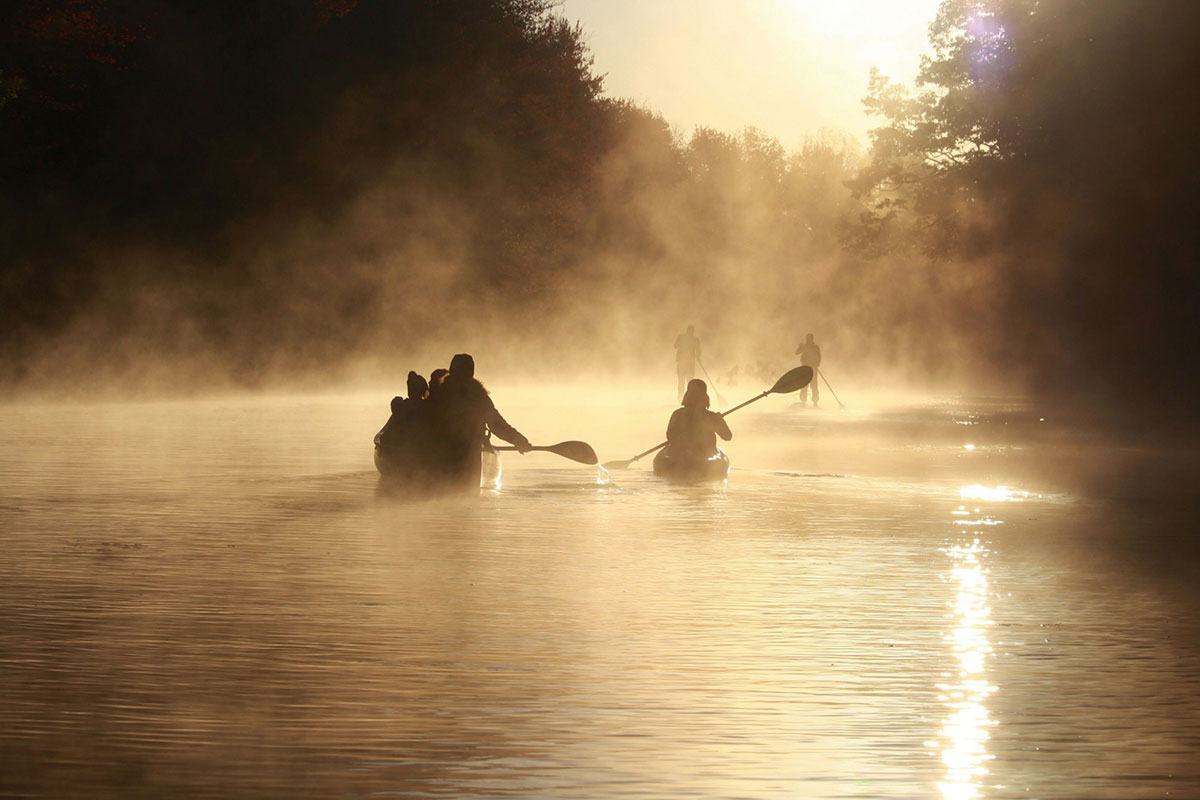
866,29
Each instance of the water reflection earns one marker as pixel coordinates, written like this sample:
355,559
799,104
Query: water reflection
235,616
995,494
964,735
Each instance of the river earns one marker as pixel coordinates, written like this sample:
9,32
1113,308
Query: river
914,598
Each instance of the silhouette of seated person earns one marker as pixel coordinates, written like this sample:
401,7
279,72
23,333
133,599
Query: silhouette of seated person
435,379
462,414
406,415
693,430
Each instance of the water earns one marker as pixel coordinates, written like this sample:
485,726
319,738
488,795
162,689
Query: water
938,600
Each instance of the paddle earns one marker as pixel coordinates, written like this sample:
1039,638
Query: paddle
841,406
711,383
792,381
576,451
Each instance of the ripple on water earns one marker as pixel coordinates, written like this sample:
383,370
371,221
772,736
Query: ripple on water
206,620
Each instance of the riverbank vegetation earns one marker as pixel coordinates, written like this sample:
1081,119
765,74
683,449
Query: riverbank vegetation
240,198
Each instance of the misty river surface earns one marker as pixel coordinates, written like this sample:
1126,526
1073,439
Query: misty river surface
956,599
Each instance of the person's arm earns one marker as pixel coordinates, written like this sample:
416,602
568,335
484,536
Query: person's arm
799,347
673,426
817,362
721,427
499,426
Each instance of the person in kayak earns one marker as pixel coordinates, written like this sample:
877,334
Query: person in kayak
693,430
462,414
810,355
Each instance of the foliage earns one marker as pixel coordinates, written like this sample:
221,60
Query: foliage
1041,153
307,180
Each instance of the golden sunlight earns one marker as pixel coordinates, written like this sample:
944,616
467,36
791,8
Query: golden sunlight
866,30
965,732
996,494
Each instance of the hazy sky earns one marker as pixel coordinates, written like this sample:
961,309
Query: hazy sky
789,67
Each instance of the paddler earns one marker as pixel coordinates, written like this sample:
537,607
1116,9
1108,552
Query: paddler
693,430
810,355
404,418
462,414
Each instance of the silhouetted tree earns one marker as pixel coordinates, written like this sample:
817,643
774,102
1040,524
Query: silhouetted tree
1041,157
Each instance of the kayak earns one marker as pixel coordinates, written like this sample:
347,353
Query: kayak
407,467
690,468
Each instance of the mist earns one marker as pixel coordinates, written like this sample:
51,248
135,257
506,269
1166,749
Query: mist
309,194
229,230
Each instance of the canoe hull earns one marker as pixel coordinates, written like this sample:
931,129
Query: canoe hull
673,468
409,471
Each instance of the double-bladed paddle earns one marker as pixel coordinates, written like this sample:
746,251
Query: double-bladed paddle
792,381
576,451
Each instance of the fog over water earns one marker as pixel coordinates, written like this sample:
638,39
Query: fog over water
225,239
215,599
364,185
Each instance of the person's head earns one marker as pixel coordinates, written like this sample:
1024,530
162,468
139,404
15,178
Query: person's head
808,338
436,378
691,330
462,367
416,386
397,404
696,394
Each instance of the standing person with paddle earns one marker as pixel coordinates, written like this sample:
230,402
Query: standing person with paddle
810,356
687,353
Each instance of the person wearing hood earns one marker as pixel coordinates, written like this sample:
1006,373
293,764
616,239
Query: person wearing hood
693,430
405,416
463,414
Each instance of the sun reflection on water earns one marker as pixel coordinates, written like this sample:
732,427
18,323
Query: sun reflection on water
964,735
997,494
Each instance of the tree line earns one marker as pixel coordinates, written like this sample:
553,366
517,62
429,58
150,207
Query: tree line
270,186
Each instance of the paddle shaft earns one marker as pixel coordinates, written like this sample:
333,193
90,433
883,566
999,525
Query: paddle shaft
573,450
712,383
743,405
830,388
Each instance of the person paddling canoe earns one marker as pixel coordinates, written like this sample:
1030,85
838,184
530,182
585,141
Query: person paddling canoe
463,414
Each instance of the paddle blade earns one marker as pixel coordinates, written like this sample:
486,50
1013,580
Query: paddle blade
611,465
576,451
792,381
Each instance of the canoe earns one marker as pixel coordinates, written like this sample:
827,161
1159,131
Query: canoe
690,468
411,468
